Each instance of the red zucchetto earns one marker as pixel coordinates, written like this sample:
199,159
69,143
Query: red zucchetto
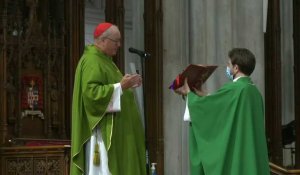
102,27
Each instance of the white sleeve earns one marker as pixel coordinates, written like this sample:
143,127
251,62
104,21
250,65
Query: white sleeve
115,101
186,116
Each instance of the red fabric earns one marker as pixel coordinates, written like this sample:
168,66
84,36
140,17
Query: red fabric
102,27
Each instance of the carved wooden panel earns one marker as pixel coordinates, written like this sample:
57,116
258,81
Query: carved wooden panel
36,160
40,44
33,54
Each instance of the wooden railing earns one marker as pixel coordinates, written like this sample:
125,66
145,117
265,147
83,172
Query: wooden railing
35,156
278,170
35,160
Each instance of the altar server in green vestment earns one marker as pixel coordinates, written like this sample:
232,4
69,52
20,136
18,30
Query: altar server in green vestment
107,131
227,132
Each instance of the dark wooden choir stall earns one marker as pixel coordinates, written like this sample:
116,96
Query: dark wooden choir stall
34,90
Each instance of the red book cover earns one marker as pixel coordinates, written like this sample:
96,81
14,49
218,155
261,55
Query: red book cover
196,74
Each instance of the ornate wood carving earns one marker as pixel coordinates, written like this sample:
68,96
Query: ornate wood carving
33,59
3,120
34,45
35,160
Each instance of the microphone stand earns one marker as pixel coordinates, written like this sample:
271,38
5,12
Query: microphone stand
143,58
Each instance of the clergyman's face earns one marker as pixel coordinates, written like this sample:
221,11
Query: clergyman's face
112,42
229,64
233,68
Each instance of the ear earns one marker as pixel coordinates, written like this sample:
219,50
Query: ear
236,68
99,41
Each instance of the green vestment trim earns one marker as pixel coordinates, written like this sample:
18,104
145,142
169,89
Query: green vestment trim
122,132
227,134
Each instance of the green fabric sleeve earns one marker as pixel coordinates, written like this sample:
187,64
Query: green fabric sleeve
96,95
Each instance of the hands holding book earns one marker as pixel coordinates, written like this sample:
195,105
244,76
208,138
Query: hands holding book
192,79
185,89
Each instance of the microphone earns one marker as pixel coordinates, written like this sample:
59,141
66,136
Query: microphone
140,53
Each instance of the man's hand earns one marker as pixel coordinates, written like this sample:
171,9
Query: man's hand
183,90
131,81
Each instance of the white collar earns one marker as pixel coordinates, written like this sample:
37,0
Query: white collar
238,78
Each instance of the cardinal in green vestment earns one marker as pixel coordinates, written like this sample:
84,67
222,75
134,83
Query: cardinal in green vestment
227,132
107,131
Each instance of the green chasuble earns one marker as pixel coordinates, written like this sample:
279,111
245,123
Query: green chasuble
227,135
122,132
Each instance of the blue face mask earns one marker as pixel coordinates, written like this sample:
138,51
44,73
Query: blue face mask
228,73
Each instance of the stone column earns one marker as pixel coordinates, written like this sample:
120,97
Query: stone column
176,57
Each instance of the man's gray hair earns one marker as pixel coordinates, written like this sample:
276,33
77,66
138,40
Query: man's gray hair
107,32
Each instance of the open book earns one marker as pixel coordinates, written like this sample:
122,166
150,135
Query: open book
196,74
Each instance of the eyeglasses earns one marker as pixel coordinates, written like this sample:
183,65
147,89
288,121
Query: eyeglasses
114,40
